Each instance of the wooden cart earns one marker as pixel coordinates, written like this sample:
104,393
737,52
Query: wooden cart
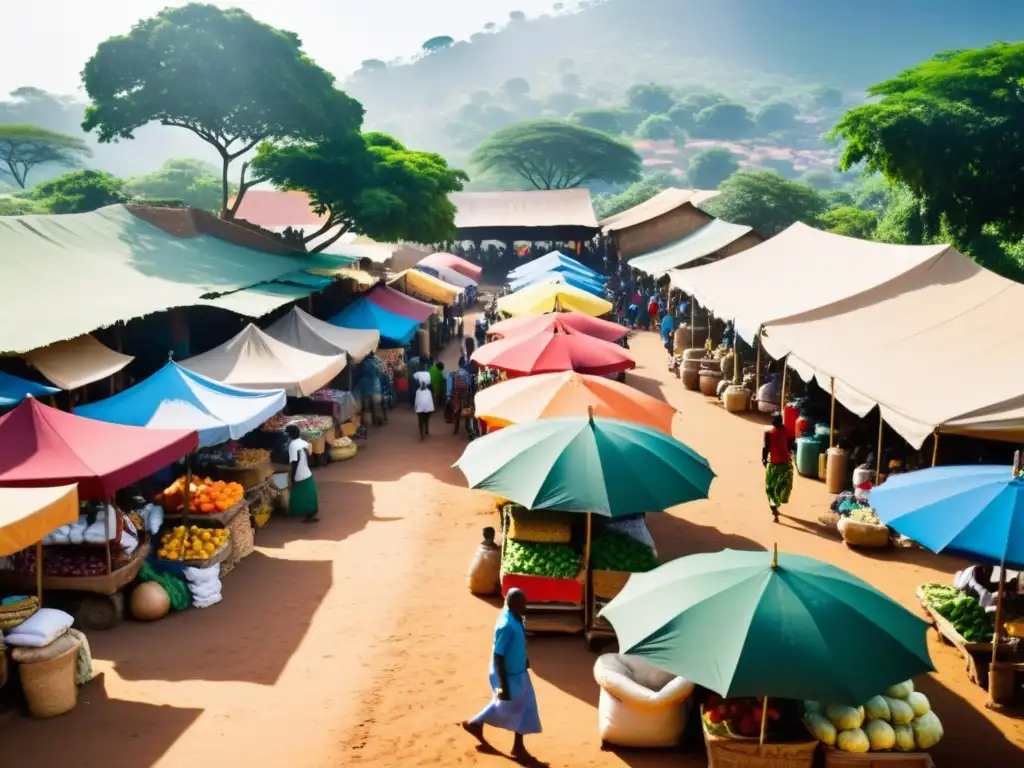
977,656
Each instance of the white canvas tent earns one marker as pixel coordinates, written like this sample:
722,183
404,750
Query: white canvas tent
255,360
303,331
796,271
902,346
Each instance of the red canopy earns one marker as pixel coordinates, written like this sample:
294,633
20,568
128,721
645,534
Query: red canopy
526,325
41,446
555,350
398,303
450,260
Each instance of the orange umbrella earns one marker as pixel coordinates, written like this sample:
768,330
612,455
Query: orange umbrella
549,395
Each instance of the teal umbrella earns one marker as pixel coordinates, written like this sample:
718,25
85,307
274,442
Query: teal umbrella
758,624
577,464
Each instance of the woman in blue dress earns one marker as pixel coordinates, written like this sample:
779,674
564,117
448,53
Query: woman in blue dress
514,705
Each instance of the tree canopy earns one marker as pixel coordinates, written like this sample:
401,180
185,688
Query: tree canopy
438,43
23,147
636,193
600,119
552,154
78,192
723,121
775,116
226,77
949,129
657,128
766,201
650,98
711,167
192,182
369,184
851,221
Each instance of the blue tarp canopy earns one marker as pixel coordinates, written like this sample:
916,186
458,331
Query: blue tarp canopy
176,398
556,261
14,389
569,277
368,316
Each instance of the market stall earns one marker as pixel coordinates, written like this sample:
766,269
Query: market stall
395,330
420,285
303,331
453,262
556,261
583,283
454,277
105,548
255,360
527,325
14,389
552,297
557,349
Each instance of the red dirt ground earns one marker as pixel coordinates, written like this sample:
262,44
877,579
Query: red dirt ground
355,642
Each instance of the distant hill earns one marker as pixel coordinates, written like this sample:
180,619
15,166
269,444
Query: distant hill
752,51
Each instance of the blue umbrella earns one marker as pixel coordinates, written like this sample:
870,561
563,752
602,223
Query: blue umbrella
975,512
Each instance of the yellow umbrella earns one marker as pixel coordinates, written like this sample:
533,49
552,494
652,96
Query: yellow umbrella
29,514
553,297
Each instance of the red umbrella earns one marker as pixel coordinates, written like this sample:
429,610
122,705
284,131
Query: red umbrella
554,350
567,321
41,446
450,260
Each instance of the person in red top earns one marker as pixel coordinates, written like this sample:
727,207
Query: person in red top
778,465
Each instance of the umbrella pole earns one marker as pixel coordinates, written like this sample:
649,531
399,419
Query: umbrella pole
832,414
586,575
186,494
878,456
935,447
764,720
782,392
994,684
757,364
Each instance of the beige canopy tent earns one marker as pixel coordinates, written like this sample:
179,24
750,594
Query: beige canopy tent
29,514
797,271
76,362
664,202
303,331
901,346
697,245
256,360
421,285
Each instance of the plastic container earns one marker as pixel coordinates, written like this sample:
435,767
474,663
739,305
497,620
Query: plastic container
789,416
736,399
835,470
863,475
803,425
808,449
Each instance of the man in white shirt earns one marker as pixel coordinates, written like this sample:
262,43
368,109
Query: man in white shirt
303,500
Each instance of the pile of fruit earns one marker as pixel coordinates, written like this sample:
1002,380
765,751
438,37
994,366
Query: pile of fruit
738,717
251,457
962,610
192,543
900,720
614,551
865,515
556,561
206,496
61,561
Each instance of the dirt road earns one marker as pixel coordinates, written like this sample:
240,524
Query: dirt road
355,641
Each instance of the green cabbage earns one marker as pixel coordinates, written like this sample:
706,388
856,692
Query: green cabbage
614,551
556,561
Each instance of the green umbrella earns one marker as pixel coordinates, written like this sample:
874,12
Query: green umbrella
758,624
577,464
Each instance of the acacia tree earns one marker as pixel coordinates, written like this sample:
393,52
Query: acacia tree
949,129
23,147
229,79
711,167
553,154
369,184
766,201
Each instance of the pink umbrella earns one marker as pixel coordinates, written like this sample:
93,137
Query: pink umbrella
574,321
450,260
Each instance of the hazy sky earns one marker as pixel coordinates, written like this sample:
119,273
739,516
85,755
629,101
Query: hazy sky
48,41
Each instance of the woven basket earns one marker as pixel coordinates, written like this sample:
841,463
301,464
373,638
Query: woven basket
13,614
343,453
541,527
607,584
243,542
49,686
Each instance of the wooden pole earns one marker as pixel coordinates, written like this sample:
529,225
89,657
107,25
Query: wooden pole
993,683
832,414
764,720
588,592
757,364
39,572
878,457
935,447
782,392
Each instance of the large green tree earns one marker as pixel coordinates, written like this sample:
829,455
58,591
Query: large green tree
552,154
851,221
78,192
950,130
651,98
23,147
766,201
369,184
711,167
192,182
229,79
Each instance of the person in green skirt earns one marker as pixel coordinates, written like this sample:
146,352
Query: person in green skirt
303,499
778,465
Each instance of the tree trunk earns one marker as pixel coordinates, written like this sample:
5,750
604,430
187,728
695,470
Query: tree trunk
225,163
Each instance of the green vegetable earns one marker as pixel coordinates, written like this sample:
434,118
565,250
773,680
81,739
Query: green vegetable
556,561
614,551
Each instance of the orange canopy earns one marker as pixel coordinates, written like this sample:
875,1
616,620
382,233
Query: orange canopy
550,395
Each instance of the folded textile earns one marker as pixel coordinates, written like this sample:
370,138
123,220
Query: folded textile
207,602
83,661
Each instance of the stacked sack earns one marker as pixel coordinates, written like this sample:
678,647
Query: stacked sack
204,584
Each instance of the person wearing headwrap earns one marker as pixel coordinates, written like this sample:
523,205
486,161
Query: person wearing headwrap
514,704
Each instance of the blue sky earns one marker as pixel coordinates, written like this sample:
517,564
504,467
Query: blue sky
48,41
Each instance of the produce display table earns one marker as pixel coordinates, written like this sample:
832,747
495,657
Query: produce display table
221,518
726,752
977,656
247,477
836,759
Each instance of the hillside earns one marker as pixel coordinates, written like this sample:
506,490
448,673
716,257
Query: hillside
816,56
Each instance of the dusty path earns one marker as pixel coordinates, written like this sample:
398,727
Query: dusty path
355,641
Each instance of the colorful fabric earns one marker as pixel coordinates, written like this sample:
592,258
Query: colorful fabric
778,483
303,500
